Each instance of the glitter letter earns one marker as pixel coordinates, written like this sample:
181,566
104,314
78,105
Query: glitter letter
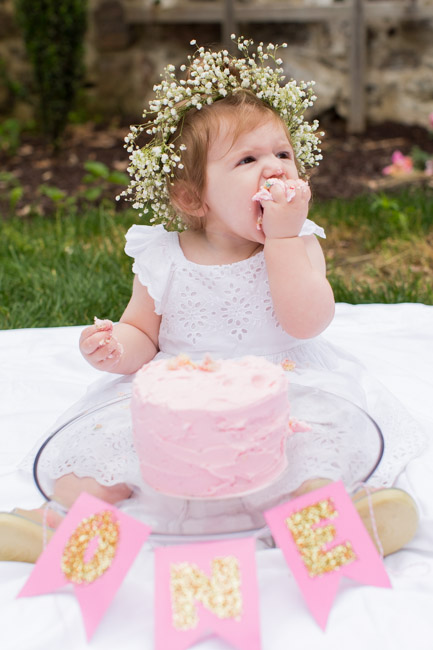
207,588
310,538
76,567
220,593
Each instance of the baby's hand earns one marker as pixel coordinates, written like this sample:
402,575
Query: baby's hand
99,346
285,207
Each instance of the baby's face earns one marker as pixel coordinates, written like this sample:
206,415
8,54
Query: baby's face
236,171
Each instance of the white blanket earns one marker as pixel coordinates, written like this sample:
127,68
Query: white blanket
42,374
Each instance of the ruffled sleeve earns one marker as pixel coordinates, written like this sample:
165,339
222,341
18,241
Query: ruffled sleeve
150,248
311,228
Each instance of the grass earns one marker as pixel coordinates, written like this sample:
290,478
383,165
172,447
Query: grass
379,248
64,270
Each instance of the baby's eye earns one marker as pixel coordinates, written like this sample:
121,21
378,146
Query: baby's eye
284,154
246,160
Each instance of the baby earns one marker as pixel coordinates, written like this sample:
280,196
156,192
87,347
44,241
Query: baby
246,274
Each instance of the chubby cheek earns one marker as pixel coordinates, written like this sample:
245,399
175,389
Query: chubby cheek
238,201
252,207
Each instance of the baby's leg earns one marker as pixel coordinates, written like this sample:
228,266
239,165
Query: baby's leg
309,485
23,533
68,488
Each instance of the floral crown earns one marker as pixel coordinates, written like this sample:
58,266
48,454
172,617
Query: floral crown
212,76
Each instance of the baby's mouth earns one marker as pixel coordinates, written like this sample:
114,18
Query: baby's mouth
259,220
263,194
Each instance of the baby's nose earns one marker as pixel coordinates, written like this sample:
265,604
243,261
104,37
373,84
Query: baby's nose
272,171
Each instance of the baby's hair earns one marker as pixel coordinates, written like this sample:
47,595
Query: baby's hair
185,115
197,131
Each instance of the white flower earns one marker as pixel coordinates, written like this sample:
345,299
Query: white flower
210,79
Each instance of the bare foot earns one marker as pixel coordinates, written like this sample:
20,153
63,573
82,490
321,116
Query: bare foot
41,515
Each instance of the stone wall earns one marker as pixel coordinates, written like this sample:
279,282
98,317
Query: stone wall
124,60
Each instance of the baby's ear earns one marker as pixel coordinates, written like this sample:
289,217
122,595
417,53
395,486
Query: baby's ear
185,200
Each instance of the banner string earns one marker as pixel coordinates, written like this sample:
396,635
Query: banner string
54,507
45,509
368,491
426,569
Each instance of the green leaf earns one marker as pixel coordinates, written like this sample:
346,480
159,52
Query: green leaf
419,157
53,193
89,178
92,193
15,195
118,178
97,169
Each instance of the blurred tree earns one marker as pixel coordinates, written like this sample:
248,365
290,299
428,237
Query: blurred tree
54,31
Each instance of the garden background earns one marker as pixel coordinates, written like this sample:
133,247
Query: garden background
62,163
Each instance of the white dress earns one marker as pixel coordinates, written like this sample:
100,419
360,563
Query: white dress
227,311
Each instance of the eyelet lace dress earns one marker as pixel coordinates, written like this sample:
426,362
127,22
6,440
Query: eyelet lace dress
227,311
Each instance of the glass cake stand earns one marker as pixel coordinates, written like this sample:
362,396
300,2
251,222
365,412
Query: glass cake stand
344,443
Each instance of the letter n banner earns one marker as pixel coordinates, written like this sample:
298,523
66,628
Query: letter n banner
207,589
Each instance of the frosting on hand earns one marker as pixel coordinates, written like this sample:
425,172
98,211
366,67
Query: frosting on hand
290,187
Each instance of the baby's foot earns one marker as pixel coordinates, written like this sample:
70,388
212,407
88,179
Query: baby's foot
44,515
390,516
24,533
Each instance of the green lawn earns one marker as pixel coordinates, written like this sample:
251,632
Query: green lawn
66,269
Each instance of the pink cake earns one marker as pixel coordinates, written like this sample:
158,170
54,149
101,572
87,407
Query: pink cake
210,430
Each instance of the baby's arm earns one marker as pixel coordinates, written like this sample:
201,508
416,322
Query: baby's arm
302,297
125,347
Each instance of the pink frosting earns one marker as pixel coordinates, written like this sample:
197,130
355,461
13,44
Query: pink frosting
211,433
289,187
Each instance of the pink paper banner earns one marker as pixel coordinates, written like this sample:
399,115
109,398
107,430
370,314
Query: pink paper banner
93,548
205,589
323,538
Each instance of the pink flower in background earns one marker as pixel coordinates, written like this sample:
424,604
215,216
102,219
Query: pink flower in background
429,167
430,119
400,165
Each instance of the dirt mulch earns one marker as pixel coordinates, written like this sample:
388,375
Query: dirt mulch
352,164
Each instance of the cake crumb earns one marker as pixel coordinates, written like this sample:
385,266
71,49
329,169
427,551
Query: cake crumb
183,361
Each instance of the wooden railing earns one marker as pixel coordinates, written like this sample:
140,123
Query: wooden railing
229,13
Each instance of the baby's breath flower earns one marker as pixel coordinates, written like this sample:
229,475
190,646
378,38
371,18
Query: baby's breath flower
210,78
